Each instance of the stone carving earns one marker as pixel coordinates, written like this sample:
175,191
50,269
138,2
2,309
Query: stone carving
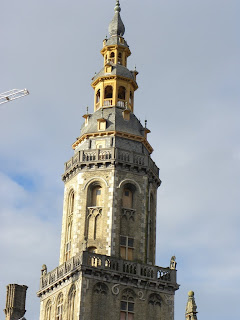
100,288
155,299
173,263
115,289
44,270
128,213
141,296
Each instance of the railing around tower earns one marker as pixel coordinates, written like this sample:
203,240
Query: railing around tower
107,102
90,260
112,154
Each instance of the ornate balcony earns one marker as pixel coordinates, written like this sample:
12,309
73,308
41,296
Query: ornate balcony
91,157
91,263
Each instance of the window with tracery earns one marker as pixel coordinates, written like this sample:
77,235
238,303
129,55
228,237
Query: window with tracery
48,310
71,303
59,307
68,240
127,305
94,213
126,247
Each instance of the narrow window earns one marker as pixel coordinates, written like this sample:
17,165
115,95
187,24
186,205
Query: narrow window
68,238
131,98
121,93
98,97
59,310
112,57
48,310
96,196
127,306
126,247
71,303
127,199
120,58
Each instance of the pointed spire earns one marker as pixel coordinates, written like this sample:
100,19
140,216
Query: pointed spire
116,26
191,308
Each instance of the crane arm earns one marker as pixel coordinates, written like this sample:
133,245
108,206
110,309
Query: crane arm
12,95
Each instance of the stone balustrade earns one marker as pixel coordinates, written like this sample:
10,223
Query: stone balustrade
90,260
95,156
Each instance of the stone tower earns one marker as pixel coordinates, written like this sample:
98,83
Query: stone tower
107,256
191,308
15,302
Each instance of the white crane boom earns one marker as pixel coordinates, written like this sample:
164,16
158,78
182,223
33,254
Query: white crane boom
12,95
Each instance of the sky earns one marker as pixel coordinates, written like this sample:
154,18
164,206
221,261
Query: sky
187,54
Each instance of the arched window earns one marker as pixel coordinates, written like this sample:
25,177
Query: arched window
59,307
68,239
127,305
108,94
112,57
98,97
48,310
71,303
92,249
121,93
119,58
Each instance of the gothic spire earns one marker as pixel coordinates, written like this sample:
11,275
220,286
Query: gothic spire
116,26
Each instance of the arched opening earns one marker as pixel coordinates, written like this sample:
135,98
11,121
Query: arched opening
108,94
69,223
112,57
106,58
131,99
127,305
59,307
119,58
71,303
92,249
98,96
121,93
48,310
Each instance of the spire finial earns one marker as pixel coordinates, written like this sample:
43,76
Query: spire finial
87,109
145,123
117,8
116,27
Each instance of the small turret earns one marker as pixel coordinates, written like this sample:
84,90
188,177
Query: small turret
191,308
15,302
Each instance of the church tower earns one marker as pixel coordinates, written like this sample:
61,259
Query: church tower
107,256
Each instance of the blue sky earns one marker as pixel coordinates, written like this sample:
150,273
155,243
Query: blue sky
187,54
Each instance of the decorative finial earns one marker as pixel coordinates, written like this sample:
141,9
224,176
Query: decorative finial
145,123
135,68
117,8
191,307
87,109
